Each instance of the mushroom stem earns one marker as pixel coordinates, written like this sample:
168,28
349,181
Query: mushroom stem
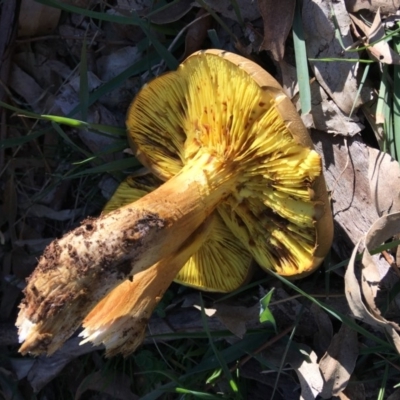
119,321
78,270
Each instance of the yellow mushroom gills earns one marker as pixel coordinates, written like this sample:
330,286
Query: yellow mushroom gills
225,146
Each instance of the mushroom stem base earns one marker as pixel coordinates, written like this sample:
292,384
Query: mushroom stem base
78,270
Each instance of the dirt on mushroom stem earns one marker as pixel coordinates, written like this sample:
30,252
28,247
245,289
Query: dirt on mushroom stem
78,270
120,320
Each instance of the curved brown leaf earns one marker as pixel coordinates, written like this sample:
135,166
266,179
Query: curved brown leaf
361,298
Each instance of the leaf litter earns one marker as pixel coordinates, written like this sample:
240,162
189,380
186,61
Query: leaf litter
39,203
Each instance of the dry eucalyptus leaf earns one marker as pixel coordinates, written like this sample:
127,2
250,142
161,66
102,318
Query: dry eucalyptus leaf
322,338
21,366
37,19
26,87
386,6
109,66
339,361
236,318
360,297
47,368
339,79
115,385
41,211
248,9
278,20
384,177
327,116
197,33
288,78
395,395
355,391
172,13
309,375
380,51
346,167
207,311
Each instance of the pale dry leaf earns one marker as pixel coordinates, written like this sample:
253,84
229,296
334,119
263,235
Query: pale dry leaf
386,6
384,178
278,20
380,51
346,175
309,375
210,312
339,79
327,116
339,361
384,228
303,360
109,66
115,385
37,19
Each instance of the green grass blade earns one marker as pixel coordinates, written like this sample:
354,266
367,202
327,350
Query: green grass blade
13,142
213,36
301,62
396,103
199,395
133,19
112,166
360,87
336,314
220,359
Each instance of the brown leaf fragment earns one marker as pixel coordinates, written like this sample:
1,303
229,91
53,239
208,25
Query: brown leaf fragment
361,298
26,87
37,19
248,10
197,33
47,368
235,318
384,177
327,116
278,19
115,385
339,361
323,337
172,13
355,391
339,79
395,395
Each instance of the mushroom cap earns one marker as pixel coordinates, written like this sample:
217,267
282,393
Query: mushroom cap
225,106
221,264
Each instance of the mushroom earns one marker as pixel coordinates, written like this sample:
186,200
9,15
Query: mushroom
224,138
212,259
